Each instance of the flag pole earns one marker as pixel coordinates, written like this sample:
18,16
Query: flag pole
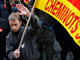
26,28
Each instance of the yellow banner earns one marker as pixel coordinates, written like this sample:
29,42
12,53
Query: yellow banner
65,12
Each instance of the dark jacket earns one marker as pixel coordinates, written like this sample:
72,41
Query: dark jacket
45,34
27,51
3,12
4,30
44,39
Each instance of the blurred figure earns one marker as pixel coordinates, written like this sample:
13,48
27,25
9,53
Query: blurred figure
4,30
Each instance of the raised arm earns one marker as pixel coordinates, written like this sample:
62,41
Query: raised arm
34,22
23,10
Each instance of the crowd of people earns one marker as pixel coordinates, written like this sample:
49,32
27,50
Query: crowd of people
39,41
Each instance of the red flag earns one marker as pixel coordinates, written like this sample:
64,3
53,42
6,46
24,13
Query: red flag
76,3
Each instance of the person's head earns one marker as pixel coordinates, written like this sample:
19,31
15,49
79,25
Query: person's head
14,21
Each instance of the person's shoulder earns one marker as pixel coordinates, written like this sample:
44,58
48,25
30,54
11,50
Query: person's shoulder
9,34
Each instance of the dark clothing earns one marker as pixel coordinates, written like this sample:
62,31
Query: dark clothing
4,30
9,8
45,38
3,12
27,51
42,36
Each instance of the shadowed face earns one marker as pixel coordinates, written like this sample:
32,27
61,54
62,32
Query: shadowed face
15,25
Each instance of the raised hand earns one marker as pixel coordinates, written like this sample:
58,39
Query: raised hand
23,10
